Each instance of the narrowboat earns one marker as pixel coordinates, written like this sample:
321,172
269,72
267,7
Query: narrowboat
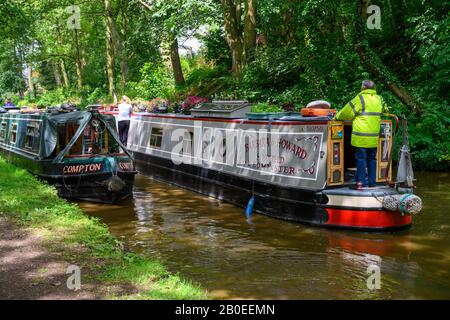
78,152
298,167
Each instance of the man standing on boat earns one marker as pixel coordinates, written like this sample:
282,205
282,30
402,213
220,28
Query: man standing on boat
125,109
365,111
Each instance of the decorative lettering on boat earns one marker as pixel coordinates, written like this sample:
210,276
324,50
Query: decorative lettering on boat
82,168
126,166
298,154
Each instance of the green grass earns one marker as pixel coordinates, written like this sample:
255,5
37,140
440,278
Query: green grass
34,204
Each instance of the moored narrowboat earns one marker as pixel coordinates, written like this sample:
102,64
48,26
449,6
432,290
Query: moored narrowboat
298,167
78,152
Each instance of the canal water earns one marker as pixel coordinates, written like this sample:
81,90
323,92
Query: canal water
211,243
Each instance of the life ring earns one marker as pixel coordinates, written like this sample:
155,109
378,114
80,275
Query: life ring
318,108
319,104
313,112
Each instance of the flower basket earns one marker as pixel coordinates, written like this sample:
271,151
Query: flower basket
190,103
158,105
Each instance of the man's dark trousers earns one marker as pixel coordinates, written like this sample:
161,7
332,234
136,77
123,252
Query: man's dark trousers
366,160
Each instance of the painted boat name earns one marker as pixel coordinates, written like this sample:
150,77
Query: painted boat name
82,168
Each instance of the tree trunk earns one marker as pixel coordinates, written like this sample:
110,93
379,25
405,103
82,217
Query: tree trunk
64,74
288,29
78,62
56,74
31,88
176,63
110,51
250,29
233,34
238,15
119,49
20,59
173,54
374,63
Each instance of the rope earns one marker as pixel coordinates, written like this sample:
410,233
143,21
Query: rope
407,204
67,187
377,198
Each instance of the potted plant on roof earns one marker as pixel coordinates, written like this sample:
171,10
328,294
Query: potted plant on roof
176,107
190,103
266,111
158,105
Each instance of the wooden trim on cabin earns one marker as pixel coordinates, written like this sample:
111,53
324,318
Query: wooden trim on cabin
334,128
382,164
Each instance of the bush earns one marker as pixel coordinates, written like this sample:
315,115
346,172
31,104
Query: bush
98,96
266,107
203,73
216,49
51,98
430,139
156,81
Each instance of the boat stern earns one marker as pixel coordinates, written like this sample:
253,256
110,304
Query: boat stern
377,209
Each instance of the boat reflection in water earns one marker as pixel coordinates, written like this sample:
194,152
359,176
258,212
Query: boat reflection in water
211,243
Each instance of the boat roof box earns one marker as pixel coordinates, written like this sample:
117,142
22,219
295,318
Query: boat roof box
232,109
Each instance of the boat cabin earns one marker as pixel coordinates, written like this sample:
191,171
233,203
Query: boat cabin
79,152
44,135
315,151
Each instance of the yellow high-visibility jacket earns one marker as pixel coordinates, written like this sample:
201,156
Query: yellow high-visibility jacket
365,110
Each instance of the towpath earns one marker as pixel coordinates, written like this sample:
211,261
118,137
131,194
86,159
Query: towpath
30,269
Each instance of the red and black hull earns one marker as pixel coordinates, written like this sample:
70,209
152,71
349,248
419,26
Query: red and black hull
298,205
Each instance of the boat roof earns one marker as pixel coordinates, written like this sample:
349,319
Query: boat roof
55,118
51,121
282,120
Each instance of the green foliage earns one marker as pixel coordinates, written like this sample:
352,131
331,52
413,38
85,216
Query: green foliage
97,96
305,51
430,138
203,73
156,81
216,49
265,107
430,35
51,98
36,205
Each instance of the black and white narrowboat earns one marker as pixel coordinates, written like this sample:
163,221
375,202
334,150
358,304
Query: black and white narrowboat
78,152
293,167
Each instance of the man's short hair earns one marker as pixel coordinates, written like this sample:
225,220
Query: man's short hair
368,84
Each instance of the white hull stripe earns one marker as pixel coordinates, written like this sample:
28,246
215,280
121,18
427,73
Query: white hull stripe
354,202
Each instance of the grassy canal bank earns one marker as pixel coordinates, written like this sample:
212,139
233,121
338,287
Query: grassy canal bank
80,240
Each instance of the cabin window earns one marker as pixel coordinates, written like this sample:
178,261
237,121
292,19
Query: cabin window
156,138
32,135
13,137
3,131
187,142
98,140
70,130
95,139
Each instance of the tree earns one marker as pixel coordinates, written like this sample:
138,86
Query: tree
232,19
110,49
250,29
177,19
374,64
